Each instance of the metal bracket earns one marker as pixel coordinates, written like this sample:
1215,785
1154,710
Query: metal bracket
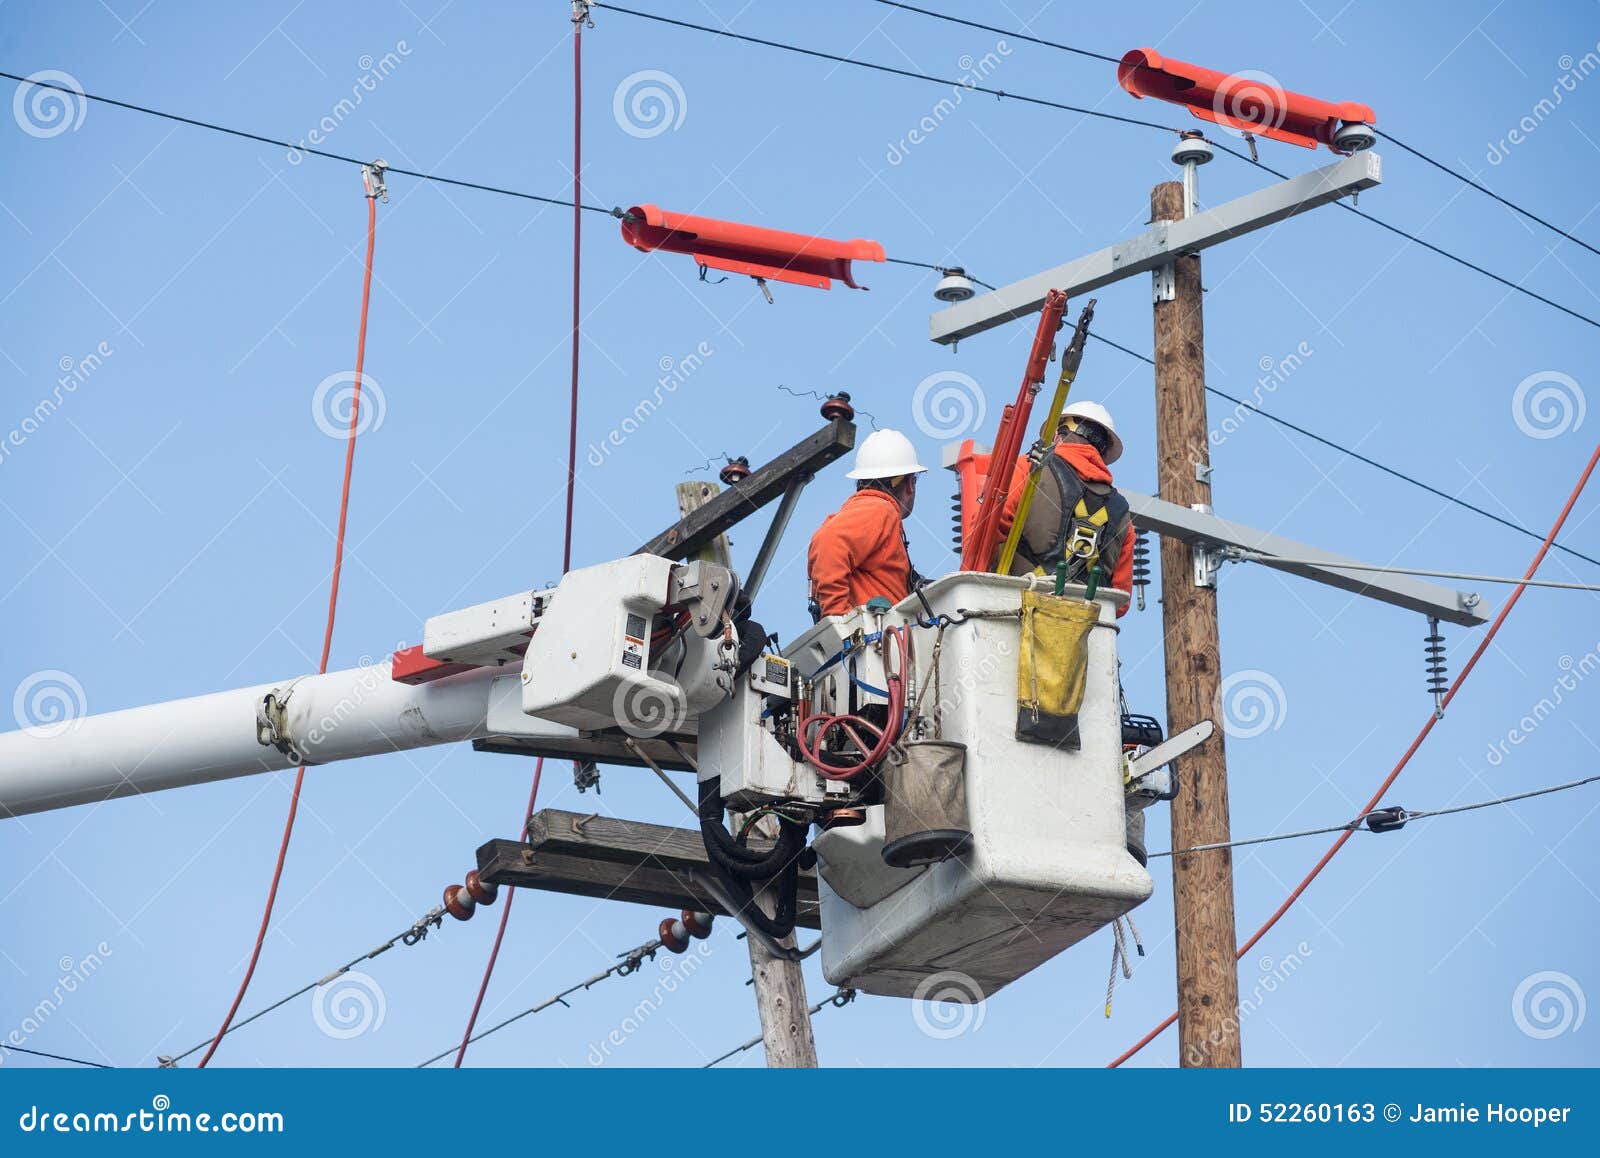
1164,283
707,589
272,723
1207,563
1202,473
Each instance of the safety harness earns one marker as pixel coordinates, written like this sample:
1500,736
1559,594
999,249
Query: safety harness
1072,519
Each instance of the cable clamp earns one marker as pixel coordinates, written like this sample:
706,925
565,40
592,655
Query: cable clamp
272,723
580,13
419,931
372,178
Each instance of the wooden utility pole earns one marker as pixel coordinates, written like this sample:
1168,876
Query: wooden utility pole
779,983
1202,883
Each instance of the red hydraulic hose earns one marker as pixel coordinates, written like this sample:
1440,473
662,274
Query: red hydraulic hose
578,18
333,604
853,725
1394,774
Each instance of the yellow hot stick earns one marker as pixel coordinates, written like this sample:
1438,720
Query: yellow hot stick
1070,361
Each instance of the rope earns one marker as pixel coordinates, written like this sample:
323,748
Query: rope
368,176
1372,462
1405,759
416,931
579,16
1406,816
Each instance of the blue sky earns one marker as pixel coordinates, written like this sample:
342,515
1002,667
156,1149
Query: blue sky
168,529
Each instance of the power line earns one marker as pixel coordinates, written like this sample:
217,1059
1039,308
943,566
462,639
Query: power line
1241,555
1505,281
630,963
1402,815
1405,759
839,998
324,153
1002,31
1359,457
1486,191
77,1061
413,933
890,69
1415,152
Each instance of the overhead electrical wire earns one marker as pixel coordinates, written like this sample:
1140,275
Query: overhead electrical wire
1406,816
292,147
1405,759
373,183
77,1061
1024,98
1031,39
839,998
890,69
630,962
411,935
1415,152
1359,457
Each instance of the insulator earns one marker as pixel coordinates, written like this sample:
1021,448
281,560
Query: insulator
955,520
1434,663
480,892
837,406
737,470
698,924
458,902
672,934
1141,565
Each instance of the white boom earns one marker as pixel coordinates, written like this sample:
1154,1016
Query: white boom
337,716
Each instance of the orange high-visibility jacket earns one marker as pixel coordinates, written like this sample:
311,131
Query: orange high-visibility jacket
859,552
1091,467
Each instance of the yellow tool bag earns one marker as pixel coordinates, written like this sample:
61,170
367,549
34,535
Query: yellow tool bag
1052,667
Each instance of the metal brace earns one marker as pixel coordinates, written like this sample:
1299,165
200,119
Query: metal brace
1202,473
1164,283
1208,557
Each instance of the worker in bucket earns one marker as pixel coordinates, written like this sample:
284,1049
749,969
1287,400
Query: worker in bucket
860,551
1076,513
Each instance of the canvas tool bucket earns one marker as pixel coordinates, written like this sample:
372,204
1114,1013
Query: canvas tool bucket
925,804
1053,667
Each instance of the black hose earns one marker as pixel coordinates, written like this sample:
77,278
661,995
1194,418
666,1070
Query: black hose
739,859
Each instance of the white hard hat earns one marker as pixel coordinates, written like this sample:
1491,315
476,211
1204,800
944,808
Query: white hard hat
1101,417
886,454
